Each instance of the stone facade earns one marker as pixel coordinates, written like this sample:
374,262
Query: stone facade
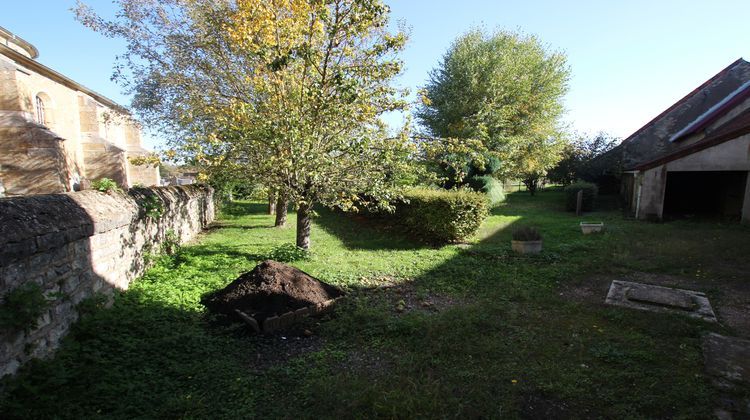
78,244
55,132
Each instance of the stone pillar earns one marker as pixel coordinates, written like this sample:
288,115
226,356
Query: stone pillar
654,182
746,204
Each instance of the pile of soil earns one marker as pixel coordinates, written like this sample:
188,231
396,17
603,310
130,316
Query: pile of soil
270,289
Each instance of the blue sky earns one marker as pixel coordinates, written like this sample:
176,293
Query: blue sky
629,59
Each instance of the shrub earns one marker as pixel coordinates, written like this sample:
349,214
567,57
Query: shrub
526,234
150,202
441,216
589,195
171,243
105,185
22,307
288,253
489,185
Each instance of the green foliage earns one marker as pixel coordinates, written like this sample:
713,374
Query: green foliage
288,253
504,89
22,307
488,185
442,216
526,233
171,243
293,103
106,185
92,304
152,205
589,196
581,161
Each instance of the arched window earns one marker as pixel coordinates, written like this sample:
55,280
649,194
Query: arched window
40,118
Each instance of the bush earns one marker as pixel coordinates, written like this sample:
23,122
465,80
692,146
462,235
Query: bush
441,216
589,195
106,185
22,307
526,234
288,253
489,185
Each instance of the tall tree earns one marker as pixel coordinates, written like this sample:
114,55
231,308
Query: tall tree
504,89
290,90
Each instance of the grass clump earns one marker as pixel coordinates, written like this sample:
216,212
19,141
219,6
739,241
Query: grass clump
288,253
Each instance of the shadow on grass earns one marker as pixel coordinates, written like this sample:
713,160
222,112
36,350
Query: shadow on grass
243,208
359,233
140,358
505,346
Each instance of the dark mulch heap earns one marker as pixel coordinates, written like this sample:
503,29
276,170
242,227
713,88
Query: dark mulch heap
270,289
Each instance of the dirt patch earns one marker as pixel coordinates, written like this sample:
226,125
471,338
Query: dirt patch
277,348
271,289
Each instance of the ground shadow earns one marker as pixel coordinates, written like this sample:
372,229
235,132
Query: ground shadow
141,358
488,330
497,340
243,208
362,233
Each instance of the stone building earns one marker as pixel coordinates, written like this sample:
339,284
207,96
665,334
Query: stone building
55,132
693,158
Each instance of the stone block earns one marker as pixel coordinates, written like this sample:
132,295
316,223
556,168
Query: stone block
660,299
62,309
10,368
12,345
271,324
41,348
13,275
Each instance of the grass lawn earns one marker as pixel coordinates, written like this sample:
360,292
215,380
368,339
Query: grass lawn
484,333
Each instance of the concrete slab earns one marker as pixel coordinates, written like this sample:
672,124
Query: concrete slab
648,297
727,364
727,359
670,298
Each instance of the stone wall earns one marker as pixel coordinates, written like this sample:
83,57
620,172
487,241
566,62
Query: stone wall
79,244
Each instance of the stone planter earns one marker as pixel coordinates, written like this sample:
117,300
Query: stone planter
591,227
526,247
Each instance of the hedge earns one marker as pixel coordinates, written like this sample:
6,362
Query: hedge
589,195
442,216
489,185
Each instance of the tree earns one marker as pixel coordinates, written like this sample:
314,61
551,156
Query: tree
504,89
579,157
290,91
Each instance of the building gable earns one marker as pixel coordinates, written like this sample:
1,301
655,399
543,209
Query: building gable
710,101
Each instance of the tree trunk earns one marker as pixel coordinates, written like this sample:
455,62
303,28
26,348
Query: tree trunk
272,202
281,210
303,225
531,184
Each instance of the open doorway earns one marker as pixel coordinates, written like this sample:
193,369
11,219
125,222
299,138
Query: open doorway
707,194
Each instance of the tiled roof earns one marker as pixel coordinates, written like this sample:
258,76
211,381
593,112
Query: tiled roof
734,128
